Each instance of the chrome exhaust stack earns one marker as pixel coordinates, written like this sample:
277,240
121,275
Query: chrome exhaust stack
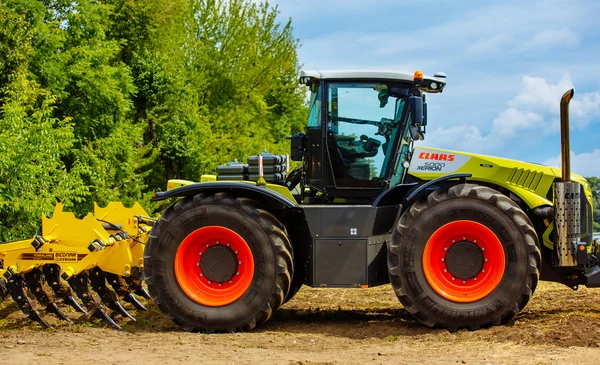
567,220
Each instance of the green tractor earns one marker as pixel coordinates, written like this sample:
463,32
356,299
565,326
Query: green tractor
462,238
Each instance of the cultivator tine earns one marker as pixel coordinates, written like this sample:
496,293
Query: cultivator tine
52,275
15,288
107,295
3,289
130,298
79,283
34,280
135,286
122,290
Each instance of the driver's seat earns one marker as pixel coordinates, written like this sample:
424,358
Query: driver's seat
352,149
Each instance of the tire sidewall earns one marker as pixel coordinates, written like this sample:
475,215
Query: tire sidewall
232,315
422,228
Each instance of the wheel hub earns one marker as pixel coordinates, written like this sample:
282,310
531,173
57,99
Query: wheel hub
464,260
214,266
218,263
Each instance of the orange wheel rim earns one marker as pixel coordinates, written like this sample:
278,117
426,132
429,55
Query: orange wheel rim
463,261
214,266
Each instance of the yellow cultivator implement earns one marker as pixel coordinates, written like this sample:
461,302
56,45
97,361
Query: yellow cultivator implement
102,252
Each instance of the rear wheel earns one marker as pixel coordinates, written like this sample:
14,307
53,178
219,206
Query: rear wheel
466,257
216,263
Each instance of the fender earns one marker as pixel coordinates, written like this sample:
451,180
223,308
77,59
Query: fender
260,193
406,194
417,192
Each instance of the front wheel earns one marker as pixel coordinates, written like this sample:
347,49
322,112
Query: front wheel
217,263
464,258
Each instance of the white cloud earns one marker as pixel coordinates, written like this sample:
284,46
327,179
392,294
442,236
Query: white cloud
513,123
543,97
530,116
582,164
537,94
564,37
462,137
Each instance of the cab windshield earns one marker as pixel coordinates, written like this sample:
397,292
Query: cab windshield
363,120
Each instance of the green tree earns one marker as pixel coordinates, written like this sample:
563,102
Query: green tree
595,184
105,100
33,176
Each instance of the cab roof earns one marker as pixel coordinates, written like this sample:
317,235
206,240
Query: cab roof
438,81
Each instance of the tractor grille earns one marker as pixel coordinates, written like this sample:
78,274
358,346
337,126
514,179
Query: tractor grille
525,178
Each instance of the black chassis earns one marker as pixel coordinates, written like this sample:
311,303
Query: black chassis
334,245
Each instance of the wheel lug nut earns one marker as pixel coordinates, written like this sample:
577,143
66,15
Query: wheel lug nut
453,278
475,278
474,241
239,263
442,260
219,284
209,282
229,281
464,238
201,274
485,260
453,241
464,281
445,270
228,245
445,248
198,264
236,252
483,249
218,243
237,273
482,270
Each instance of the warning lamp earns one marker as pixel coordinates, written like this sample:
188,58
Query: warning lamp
418,76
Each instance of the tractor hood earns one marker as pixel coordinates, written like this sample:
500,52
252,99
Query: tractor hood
529,181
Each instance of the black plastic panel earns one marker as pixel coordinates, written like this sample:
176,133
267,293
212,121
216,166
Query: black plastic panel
340,263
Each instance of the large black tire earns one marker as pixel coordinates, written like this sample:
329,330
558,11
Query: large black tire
267,240
474,203
294,288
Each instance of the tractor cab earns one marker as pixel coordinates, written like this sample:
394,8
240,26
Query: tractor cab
360,130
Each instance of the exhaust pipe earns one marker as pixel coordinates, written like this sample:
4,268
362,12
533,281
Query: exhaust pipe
567,228
565,140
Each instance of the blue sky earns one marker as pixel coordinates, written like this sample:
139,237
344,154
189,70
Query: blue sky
507,63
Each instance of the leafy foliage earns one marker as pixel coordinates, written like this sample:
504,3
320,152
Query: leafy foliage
595,184
106,100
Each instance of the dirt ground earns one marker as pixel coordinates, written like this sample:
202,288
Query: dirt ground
323,326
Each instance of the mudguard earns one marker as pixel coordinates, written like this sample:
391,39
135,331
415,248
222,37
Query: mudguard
265,195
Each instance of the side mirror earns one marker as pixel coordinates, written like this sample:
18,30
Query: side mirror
297,146
424,114
416,110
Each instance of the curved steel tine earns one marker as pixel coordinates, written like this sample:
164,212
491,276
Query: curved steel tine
143,292
130,298
116,305
15,288
100,313
54,309
107,295
70,300
3,289
136,287
122,290
34,280
52,274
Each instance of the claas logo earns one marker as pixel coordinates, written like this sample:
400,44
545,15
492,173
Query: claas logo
436,156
